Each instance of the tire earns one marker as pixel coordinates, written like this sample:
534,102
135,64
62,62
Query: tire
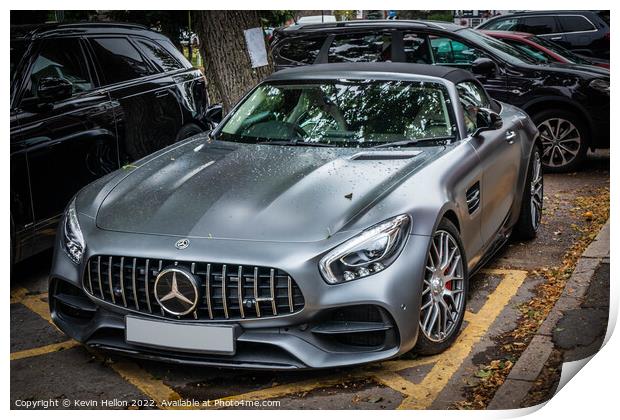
564,139
437,288
188,131
532,201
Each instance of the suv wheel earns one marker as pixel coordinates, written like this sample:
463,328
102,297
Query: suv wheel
188,131
563,140
444,291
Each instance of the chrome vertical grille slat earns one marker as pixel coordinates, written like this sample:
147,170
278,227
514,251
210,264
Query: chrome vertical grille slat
272,291
134,285
227,291
110,280
121,275
224,298
146,286
208,290
99,276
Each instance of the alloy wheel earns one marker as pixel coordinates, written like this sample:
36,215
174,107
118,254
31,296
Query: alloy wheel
560,140
443,297
536,191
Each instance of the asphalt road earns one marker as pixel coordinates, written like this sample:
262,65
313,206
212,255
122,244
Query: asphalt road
49,370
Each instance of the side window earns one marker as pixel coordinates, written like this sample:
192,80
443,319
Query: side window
472,98
119,60
417,49
159,56
502,25
358,48
59,58
538,25
303,51
575,24
450,51
530,51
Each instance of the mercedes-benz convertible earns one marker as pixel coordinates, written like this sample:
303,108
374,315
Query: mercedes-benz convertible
333,218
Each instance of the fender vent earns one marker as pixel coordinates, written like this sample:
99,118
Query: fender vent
473,197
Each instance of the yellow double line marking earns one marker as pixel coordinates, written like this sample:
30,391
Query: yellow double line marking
416,396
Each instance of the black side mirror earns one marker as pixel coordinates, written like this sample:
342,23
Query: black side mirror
487,120
483,66
54,89
214,114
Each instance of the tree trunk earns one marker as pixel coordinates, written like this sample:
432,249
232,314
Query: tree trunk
226,60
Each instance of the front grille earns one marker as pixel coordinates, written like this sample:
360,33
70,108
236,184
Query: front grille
129,282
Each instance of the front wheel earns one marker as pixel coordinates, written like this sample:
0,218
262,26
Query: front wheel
532,200
444,292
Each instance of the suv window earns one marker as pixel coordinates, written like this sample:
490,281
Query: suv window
450,51
304,51
364,47
575,24
119,60
60,58
472,98
416,48
159,56
502,24
537,25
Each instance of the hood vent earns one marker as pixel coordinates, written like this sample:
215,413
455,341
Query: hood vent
384,155
473,197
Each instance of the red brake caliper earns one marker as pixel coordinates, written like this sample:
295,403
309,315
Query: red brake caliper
448,284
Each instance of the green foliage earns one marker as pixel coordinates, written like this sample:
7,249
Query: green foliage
275,18
445,15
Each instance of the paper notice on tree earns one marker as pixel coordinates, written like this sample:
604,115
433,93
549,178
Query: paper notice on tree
255,41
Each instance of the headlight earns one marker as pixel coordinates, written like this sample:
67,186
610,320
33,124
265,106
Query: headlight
73,241
601,85
366,254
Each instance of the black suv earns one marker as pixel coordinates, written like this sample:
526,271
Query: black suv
568,103
87,99
584,32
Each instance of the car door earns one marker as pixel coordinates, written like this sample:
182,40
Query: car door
500,157
577,34
544,26
67,142
148,114
454,52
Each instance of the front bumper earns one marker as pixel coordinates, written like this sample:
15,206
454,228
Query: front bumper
288,341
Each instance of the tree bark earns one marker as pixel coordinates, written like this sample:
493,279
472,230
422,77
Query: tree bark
227,64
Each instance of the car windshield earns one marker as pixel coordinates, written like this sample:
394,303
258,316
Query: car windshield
572,57
359,113
501,49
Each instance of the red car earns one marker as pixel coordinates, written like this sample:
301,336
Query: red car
542,50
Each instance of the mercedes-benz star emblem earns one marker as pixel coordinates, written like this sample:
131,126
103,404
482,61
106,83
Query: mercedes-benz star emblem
176,291
182,243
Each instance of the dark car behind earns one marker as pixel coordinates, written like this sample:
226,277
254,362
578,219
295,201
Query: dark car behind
557,97
584,32
87,99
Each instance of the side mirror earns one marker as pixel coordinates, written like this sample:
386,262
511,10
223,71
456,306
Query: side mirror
483,66
214,114
487,120
54,89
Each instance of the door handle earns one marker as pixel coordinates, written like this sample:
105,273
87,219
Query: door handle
555,38
510,136
161,94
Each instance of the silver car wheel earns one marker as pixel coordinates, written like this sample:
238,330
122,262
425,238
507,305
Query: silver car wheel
536,191
560,140
443,297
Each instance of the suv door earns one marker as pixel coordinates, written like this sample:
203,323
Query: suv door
454,52
577,34
147,111
66,142
500,157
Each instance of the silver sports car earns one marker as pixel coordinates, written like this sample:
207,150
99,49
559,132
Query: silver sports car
333,218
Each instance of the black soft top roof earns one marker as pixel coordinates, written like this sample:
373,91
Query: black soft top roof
383,70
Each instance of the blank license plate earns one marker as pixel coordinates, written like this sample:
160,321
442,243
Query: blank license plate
180,336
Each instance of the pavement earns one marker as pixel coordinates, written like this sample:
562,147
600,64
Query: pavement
50,370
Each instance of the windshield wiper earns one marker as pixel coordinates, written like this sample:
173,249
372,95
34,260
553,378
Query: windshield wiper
405,143
296,143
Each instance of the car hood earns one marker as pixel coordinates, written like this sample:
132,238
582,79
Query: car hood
583,70
224,190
